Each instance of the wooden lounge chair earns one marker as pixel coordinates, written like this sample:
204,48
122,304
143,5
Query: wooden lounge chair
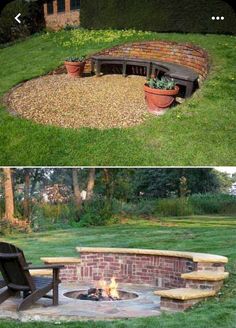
17,278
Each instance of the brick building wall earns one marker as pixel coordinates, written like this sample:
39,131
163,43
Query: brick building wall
57,18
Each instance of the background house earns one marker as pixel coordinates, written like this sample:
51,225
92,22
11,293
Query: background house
59,13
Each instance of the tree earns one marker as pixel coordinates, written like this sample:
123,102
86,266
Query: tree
225,181
90,183
166,182
29,177
9,196
76,188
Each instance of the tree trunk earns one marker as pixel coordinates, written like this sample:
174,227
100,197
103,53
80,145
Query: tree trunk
26,202
77,194
9,196
90,184
108,181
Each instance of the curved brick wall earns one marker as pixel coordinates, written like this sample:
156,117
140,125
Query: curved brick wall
154,267
185,54
162,271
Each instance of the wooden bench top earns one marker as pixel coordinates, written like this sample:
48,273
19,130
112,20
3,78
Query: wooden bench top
185,294
122,59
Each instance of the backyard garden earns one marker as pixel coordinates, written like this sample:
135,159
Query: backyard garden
54,214
198,131
214,234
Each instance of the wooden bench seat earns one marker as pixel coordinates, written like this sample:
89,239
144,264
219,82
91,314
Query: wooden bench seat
98,61
182,75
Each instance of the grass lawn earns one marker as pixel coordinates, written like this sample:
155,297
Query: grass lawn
200,234
199,132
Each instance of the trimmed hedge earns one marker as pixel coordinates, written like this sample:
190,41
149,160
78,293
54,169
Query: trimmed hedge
160,16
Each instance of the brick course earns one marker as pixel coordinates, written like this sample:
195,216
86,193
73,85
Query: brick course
70,273
168,304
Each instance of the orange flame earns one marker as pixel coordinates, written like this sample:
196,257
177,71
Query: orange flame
109,290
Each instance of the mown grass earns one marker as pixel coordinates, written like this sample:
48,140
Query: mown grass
202,234
199,132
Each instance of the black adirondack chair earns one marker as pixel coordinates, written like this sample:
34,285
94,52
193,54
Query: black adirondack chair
2,283
17,278
8,248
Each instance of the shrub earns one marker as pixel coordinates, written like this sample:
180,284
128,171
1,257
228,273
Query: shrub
97,212
174,207
43,215
158,15
213,203
31,17
5,227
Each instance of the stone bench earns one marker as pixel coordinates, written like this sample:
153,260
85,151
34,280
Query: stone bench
180,299
183,76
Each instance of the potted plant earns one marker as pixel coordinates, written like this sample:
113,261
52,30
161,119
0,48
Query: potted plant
75,66
160,94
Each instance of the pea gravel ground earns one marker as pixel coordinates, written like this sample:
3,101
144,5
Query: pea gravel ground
106,102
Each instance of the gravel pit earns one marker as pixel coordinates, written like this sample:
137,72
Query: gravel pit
110,101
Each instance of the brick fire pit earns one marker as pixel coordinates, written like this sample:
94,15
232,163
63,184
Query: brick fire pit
149,281
180,278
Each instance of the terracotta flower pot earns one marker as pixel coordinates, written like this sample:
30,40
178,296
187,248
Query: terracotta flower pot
75,69
158,99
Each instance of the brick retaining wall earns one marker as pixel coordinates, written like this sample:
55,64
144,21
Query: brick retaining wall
162,271
185,54
70,273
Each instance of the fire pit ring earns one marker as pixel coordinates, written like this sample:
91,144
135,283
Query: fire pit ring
78,294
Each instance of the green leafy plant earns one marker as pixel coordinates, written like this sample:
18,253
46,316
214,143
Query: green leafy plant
164,83
75,59
174,207
97,212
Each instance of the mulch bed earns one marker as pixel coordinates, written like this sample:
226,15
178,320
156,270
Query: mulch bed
110,101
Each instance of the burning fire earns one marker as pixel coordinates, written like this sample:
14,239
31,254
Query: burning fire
109,290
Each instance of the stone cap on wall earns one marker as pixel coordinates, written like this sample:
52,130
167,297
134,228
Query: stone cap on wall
195,257
185,293
60,260
205,275
43,272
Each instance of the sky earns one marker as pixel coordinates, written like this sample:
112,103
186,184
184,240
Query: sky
228,169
